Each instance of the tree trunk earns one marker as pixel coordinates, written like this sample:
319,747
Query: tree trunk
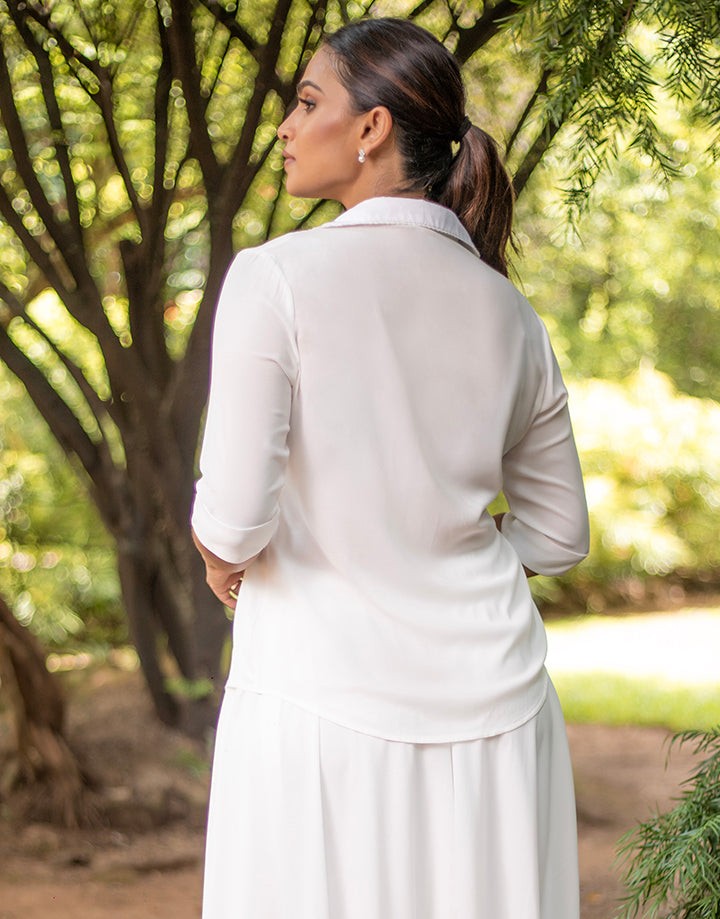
177,626
44,758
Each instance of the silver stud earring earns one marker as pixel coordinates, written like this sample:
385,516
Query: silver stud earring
361,156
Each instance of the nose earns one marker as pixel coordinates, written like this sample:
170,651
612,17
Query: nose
283,131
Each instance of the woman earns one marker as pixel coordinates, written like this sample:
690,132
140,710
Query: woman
389,744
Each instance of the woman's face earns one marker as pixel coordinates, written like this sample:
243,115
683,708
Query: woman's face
322,137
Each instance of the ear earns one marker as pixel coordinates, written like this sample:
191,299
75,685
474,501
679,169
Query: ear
376,128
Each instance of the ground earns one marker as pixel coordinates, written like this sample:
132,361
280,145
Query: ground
148,864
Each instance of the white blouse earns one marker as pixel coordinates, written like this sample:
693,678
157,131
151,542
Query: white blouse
374,386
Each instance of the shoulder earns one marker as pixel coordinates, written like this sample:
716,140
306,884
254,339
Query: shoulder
502,297
274,265
299,264
517,303
259,268
288,246
263,277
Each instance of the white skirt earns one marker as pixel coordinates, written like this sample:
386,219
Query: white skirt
311,820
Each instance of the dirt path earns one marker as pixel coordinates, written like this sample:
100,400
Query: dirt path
620,778
152,868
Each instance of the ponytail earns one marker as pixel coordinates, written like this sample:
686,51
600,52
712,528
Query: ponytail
397,64
480,192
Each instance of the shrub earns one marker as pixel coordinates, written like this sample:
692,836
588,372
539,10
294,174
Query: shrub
651,458
673,860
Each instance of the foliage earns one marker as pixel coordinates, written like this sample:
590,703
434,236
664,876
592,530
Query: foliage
56,560
651,459
662,449
604,62
637,282
673,860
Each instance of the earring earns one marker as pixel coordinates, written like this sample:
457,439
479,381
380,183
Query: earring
361,156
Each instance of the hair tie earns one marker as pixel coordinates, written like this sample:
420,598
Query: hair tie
465,126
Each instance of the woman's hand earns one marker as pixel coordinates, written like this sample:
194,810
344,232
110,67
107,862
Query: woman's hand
225,585
223,578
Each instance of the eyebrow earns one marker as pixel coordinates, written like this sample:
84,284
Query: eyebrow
303,83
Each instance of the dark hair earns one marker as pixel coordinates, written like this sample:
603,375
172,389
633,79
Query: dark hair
396,64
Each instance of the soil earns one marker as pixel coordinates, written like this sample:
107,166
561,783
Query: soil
145,859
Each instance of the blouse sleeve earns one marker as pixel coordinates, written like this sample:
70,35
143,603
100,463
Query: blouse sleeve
547,523
253,371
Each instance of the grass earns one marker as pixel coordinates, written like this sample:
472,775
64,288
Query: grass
648,669
609,698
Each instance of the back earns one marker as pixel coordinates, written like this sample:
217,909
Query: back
389,385
416,374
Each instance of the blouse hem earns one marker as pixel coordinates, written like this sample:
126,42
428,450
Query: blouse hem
413,737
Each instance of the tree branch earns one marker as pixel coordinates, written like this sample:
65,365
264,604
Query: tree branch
104,100
245,179
43,18
187,393
120,361
96,405
145,263
66,241
311,213
161,197
102,97
419,9
59,138
317,18
227,19
574,81
64,425
539,90
39,256
535,153
488,25
286,90
235,180
124,37
181,40
74,58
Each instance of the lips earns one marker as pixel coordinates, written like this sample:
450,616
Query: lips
288,158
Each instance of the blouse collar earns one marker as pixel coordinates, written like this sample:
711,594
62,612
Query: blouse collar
405,212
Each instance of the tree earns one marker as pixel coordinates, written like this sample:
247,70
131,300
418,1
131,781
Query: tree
37,704
137,153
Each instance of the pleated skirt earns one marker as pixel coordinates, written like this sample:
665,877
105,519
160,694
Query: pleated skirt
311,820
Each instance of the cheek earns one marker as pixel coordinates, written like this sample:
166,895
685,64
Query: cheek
326,157
329,138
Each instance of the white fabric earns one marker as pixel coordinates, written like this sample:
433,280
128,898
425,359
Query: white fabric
374,386
311,820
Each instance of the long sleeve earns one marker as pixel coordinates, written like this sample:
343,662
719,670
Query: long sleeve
542,481
244,453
